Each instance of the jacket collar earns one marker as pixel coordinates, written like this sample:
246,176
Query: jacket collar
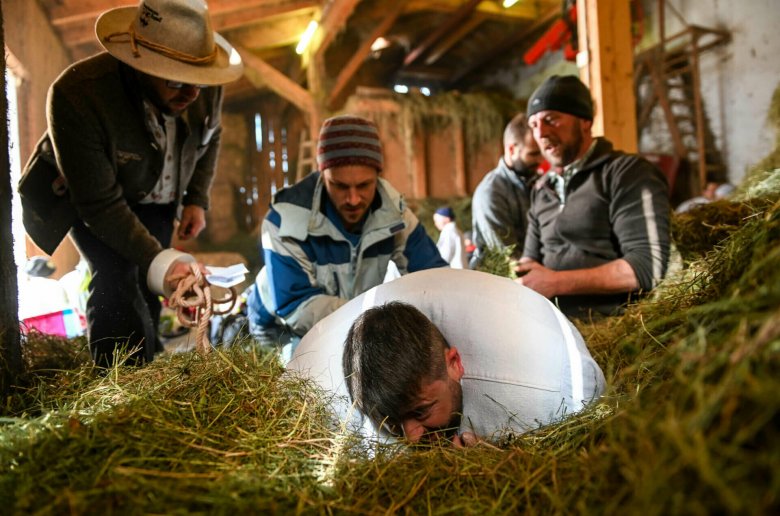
520,178
385,215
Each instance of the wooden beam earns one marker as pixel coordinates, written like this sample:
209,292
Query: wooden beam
277,31
334,19
450,41
262,74
606,67
349,70
513,44
448,26
519,11
79,27
460,157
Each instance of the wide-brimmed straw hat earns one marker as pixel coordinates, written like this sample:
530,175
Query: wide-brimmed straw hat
170,39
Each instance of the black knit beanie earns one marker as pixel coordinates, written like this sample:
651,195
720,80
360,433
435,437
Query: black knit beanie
564,93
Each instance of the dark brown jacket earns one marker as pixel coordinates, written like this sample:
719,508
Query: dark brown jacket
110,160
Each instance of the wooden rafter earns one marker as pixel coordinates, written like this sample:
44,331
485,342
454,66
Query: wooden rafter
79,27
333,21
450,41
509,44
276,31
521,10
457,18
357,59
262,74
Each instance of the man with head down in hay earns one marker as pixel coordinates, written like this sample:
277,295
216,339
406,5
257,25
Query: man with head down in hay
134,132
454,353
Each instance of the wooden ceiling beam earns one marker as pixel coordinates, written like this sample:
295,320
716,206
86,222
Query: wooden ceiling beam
450,41
277,31
334,19
457,18
72,11
249,15
357,59
79,28
262,74
510,44
519,11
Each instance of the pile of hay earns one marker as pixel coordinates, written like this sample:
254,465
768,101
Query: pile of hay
689,423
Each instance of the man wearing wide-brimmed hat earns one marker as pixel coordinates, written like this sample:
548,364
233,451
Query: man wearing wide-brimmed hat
135,132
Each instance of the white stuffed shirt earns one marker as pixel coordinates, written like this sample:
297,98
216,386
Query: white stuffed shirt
525,365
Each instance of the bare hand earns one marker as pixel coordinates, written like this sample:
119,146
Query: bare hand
465,440
179,270
193,220
536,276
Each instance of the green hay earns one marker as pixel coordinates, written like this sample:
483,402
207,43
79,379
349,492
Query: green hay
481,115
771,161
689,423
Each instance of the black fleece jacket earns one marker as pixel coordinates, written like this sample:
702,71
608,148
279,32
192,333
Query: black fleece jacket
617,206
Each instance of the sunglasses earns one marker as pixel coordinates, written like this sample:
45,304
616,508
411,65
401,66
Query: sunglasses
179,85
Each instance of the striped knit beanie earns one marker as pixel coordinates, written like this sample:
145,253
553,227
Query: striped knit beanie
349,140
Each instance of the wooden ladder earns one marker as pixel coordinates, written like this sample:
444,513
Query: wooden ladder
667,76
307,158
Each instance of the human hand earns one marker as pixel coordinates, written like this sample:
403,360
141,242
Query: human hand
465,440
536,276
193,220
179,270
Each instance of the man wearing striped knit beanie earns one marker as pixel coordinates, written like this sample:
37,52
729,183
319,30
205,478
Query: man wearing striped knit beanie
333,235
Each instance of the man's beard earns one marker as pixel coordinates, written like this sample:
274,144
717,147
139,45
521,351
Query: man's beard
456,391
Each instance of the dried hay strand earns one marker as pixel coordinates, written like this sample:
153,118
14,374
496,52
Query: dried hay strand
689,423
482,116
183,434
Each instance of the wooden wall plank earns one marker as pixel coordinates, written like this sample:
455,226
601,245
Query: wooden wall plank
606,64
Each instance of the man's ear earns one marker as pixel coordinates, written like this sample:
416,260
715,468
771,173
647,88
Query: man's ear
454,364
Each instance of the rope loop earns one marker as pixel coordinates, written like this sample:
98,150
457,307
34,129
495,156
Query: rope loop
193,295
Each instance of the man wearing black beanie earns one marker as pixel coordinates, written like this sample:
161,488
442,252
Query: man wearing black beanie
598,226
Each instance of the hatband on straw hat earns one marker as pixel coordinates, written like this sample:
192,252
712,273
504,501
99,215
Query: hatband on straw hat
170,39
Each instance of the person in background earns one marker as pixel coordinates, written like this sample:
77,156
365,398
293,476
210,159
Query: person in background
470,246
135,132
500,203
451,244
598,226
333,235
40,294
713,191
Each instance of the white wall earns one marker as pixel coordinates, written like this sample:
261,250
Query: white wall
737,79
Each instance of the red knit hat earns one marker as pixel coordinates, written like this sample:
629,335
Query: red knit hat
349,140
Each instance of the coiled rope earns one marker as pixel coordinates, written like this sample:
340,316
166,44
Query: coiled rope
193,293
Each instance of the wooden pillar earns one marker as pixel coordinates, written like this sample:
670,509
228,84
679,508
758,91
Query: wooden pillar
10,348
460,158
606,63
